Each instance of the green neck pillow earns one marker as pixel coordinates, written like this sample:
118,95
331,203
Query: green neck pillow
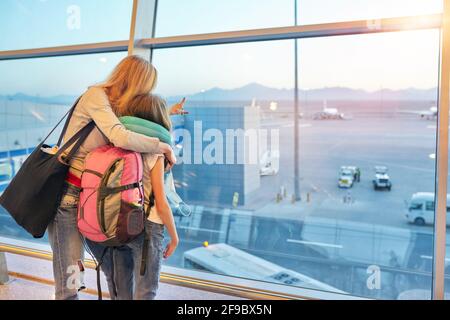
147,128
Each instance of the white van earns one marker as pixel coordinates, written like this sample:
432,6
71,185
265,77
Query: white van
421,209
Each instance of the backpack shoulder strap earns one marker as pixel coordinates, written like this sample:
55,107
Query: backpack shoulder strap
144,254
151,203
146,237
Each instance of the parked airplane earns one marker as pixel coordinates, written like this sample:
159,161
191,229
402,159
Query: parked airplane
328,113
6,173
429,114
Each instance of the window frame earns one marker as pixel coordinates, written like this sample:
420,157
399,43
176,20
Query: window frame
434,21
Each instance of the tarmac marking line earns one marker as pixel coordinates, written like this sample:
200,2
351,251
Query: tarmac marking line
199,229
320,244
431,258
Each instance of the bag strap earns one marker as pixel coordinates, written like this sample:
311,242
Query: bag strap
151,203
97,269
76,140
105,191
144,254
146,237
66,124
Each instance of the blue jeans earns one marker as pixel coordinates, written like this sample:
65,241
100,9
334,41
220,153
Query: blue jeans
67,246
121,265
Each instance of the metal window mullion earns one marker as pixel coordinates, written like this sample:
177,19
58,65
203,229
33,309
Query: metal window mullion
155,15
297,194
132,27
280,33
142,27
438,288
297,32
89,48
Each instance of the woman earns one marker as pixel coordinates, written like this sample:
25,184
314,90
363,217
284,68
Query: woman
132,76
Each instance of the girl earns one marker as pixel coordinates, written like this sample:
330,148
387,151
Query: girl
133,76
122,270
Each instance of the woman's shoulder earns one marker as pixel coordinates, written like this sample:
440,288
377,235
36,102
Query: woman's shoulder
95,96
96,91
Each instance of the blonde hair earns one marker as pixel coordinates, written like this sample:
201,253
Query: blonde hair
131,77
150,107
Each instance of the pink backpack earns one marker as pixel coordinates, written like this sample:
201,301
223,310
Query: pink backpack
111,206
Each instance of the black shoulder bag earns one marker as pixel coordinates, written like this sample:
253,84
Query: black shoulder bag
33,195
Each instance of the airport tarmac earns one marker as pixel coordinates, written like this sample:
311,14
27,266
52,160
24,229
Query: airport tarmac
323,237
404,144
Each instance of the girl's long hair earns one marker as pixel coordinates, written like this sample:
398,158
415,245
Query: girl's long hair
131,77
150,107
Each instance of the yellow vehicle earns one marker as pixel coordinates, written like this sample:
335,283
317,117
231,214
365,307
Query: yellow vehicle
5,170
347,176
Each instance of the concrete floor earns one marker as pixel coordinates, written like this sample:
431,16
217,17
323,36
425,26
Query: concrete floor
19,288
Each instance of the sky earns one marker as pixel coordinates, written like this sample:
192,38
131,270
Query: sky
390,60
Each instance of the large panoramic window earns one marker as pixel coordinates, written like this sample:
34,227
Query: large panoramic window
367,162
31,106
325,11
365,157
447,247
205,16
330,187
29,24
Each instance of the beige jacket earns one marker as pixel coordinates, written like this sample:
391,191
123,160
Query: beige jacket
94,105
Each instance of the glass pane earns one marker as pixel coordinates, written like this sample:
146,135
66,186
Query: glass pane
31,105
204,16
23,23
367,161
362,103
447,248
323,11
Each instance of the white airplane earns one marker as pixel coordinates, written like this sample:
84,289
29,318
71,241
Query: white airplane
37,115
254,103
328,113
5,173
429,114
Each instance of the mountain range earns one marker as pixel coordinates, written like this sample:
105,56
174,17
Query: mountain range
59,99
261,92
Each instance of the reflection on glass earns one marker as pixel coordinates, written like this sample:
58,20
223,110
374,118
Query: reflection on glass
325,11
205,16
367,127
63,22
31,105
190,17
